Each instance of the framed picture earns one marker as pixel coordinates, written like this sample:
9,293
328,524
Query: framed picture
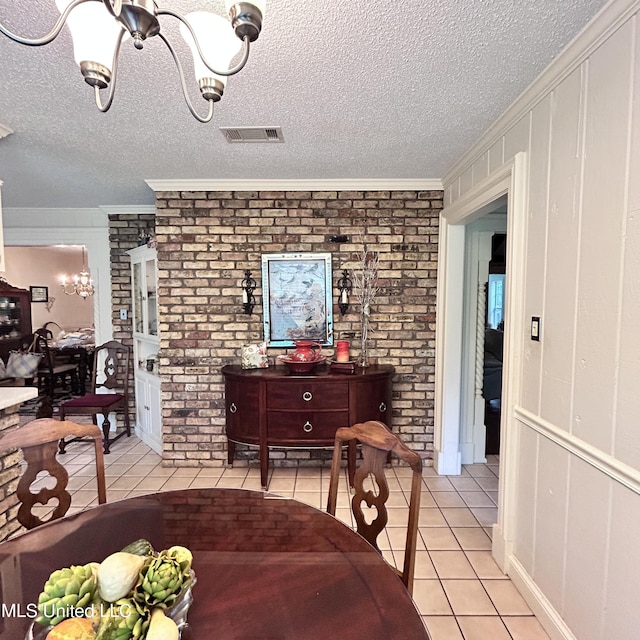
297,298
39,294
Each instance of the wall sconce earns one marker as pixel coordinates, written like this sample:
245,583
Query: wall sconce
248,285
344,287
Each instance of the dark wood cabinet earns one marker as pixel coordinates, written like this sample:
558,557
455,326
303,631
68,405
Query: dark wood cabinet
274,408
15,318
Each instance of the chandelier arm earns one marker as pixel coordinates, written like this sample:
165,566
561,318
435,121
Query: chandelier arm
52,35
183,84
114,78
114,7
229,72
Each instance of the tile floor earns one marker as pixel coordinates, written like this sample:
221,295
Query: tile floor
458,588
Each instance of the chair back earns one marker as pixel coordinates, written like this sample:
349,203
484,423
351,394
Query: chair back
110,371
42,337
377,442
38,441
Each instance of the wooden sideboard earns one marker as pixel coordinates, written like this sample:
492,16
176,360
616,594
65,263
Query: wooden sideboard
274,408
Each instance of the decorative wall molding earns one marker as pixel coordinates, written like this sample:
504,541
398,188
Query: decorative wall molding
426,184
599,29
607,464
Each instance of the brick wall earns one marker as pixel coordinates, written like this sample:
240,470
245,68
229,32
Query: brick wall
206,240
124,234
10,471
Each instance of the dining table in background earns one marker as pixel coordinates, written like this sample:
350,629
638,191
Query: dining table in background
266,566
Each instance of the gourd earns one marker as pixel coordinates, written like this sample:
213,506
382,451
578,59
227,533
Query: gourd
117,574
140,547
162,627
72,629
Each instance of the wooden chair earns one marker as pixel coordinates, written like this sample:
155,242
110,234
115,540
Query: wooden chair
38,440
52,373
377,442
109,392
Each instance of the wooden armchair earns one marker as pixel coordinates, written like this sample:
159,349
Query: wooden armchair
52,372
38,440
377,442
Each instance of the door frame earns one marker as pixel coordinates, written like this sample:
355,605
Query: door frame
510,179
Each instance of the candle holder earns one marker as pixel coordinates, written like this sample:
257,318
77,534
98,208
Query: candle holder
248,285
344,287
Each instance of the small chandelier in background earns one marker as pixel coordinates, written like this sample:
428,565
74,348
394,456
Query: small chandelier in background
80,285
98,28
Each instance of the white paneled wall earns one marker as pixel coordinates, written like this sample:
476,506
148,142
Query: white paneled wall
577,509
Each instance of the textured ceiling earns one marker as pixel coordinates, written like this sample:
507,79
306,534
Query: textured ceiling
366,89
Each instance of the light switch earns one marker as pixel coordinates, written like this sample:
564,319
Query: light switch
535,328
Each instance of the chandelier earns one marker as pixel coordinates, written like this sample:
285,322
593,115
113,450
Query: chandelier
98,28
80,285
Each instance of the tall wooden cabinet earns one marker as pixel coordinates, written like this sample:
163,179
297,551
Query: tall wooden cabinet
273,408
146,345
15,317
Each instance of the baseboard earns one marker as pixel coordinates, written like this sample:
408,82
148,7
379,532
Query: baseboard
447,465
548,617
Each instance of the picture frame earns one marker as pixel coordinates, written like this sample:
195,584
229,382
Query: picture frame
297,298
39,294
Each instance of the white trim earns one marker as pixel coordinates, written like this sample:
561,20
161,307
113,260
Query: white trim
46,218
613,15
511,178
549,618
132,210
97,242
426,184
603,462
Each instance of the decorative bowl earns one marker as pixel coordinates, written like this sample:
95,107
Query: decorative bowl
301,366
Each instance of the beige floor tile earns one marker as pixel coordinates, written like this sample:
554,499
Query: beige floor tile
397,517
117,469
488,484
234,472
230,482
210,472
186,472
448,499
426,499
397,499
430,598
124,482
464,483
484,565
479,471
459,517
140,470
308,484
486,516
439,539
203,482
176,483
476,499
468,598
428,471
431,517
162,472
452,565
472,538
483,628
439,483
443,628
525,628
83,497
307,497
150,483
424,566
506,598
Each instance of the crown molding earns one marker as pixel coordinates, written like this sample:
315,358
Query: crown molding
608,20
132,210
426,184
53,218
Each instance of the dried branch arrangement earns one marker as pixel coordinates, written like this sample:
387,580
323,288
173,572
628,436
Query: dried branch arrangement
365,287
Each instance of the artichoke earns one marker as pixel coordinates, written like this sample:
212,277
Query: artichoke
160,583
67,593
125,619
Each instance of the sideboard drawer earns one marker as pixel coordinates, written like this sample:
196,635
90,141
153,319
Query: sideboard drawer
305,425
307,395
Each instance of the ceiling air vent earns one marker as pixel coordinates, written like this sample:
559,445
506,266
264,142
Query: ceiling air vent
252,134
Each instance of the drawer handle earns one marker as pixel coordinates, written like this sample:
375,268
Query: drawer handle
307,427
233,408
382,408
307,395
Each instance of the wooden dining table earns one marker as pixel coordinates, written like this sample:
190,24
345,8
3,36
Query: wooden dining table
267,567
